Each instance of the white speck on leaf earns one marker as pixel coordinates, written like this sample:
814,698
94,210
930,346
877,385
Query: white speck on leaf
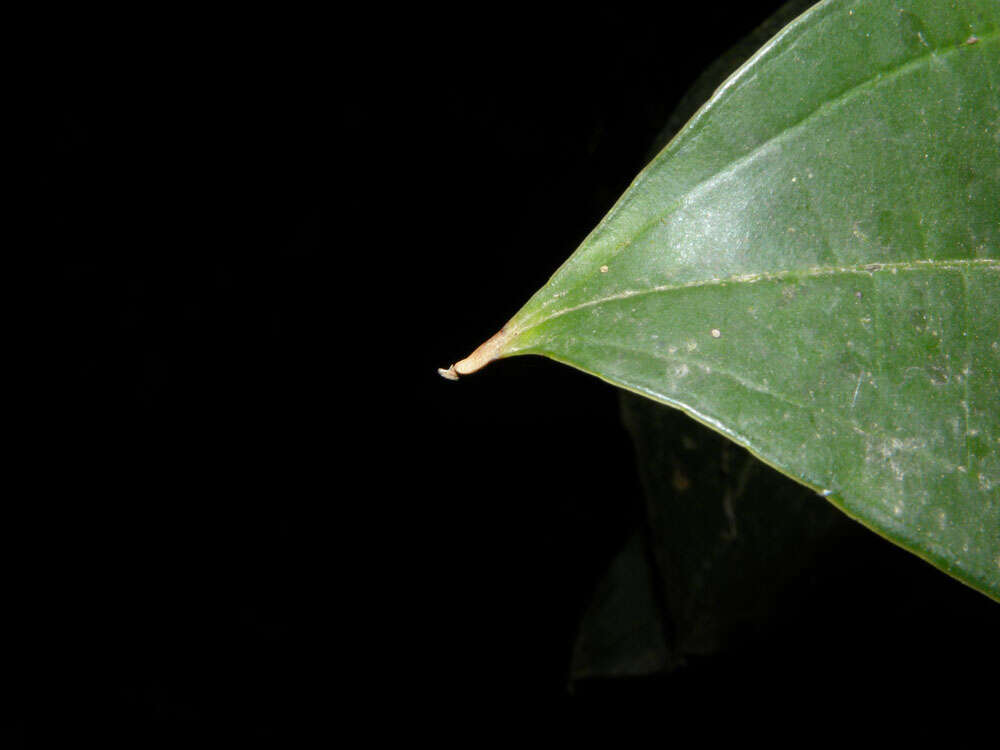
857,388
716,333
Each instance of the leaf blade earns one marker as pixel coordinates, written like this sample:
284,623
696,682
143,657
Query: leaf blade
811,268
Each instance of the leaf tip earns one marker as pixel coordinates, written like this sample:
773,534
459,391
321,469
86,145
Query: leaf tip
488,351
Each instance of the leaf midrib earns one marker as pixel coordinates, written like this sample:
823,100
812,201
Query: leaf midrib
933,264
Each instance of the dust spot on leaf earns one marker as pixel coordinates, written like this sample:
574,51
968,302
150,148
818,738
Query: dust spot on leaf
937,375
893,453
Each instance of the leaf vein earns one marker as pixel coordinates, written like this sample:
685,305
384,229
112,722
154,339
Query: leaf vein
732,166
750,278
828,105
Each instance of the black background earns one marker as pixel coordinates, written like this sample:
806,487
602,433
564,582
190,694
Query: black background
254,495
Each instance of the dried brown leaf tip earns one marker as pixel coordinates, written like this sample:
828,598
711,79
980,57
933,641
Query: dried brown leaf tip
488,351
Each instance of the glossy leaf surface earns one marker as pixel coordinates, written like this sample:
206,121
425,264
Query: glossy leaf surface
810,267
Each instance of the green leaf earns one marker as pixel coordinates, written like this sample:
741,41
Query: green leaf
811,267
622,633
723,541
